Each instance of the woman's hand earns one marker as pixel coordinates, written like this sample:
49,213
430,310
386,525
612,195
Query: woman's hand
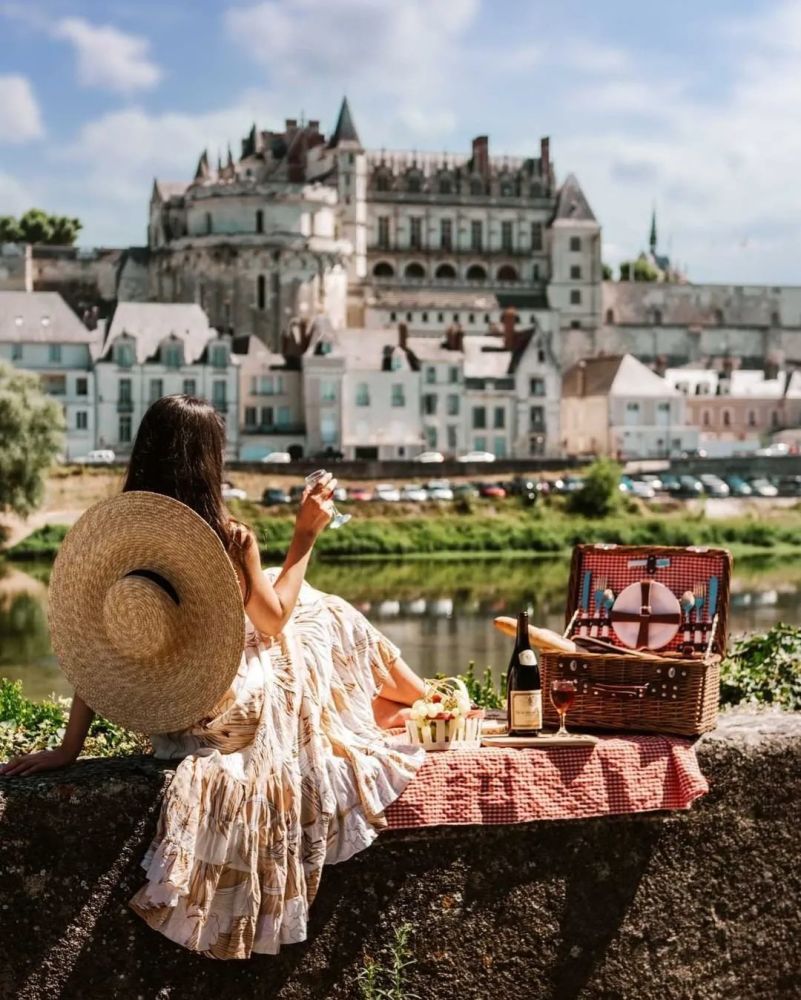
41,760
315,507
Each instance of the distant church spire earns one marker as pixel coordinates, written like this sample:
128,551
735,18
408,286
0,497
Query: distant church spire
653,240
202,171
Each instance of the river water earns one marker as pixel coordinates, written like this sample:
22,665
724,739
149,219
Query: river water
438,611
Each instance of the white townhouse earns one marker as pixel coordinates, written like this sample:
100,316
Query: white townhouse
41,334
271,415
153,349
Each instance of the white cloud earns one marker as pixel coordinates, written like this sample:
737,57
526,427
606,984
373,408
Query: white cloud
14,196
108,57
20,117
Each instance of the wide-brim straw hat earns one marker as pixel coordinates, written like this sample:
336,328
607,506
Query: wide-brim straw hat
145,612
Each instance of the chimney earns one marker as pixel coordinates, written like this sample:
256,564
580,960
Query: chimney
458,339
581,378
660,365
508,321
481,155
403,336
545,157
291,123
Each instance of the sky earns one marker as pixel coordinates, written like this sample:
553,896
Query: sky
690,108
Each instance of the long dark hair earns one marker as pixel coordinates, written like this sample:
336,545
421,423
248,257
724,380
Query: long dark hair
179,452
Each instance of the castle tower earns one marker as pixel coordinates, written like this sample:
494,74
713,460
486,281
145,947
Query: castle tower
351,172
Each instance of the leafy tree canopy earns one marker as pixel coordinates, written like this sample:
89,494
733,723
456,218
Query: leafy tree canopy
600,494
31,429
37,226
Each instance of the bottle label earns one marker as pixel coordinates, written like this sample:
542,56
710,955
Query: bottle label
526,710
527,658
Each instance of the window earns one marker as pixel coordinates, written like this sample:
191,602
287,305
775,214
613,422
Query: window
16,352
382,183
446,234
328,429
362,394
632,413
172,355
476,234
480,443
536,237
445,185
479,418
81,386
54,353
416,232
219,391
507,237
445,272
208,222
610,317
413,184
267,416
156,389
453,374
328,392
261,292
575,324
124,429
124,390
752,420
476,273
575,297
453,406
284,416
774,418
499,447
393,316
431,374
471,317
424,317
536,386
499,421
383,231
663,414
507,189
727,418
706,418
219,356
536,418
453,436
656,316
541,355
250,416
259,221
190,387
431,437
429,404
415,271
398,394
535,272
575,243
81,420
575,272
476,186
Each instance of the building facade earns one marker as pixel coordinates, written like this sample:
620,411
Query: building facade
40,333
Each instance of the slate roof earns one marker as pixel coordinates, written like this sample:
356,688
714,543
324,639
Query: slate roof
345,130
571,202
170,189
41,317
152,322
614,375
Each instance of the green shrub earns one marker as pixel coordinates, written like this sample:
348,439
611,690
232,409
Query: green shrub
765,669
600,494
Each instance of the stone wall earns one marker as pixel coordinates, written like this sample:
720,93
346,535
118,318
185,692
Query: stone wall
703,904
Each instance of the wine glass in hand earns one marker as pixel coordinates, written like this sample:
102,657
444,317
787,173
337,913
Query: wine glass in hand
338,519
563,694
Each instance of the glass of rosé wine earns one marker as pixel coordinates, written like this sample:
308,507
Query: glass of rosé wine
563,694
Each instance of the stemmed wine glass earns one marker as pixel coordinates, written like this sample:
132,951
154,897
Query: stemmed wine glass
563,694
338,519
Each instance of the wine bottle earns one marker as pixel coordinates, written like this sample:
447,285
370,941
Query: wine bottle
524,687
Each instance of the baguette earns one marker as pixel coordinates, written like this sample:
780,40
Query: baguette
543,639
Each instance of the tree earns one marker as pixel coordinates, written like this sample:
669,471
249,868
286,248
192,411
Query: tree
31,435
606,270
9,230
600,494
644,270
37,226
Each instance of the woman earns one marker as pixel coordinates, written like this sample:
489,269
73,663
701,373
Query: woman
291,769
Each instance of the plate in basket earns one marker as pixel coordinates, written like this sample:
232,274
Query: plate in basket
541,742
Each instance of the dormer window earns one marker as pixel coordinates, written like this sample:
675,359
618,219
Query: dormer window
124,353
476,186
507,188
445,185
218,356
382,182
172,354
414,184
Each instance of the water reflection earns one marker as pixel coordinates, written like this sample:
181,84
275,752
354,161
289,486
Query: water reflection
438,612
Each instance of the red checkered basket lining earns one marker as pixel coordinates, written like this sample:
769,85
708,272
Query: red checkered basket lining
617,775
687,569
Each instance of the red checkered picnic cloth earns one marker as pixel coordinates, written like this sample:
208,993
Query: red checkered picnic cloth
619,774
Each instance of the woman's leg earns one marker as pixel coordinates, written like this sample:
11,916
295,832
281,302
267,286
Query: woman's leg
402,685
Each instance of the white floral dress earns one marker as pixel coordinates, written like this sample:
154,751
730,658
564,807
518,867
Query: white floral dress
287,773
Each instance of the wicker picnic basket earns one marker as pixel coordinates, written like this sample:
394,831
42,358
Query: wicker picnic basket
673,689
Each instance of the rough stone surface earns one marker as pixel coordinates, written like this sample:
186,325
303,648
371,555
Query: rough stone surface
704,904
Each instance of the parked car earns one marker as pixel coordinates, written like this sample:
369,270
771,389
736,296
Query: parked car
714,485
278,457
689,486
429,456
100,456
642,490
273,496
788,486
626,484
439,489
670,483
492,491
738,487
414,493
296,492
465,491
360,494
568,484
477,456
764,488
654,481
231,492
340,494
520,486
386,492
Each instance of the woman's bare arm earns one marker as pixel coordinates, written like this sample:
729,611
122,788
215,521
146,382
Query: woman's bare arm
270,605
71,745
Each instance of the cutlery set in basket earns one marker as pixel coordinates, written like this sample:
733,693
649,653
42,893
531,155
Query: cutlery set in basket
649,627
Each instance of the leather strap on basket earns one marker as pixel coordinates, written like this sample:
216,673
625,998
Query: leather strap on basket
645,617
619,690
